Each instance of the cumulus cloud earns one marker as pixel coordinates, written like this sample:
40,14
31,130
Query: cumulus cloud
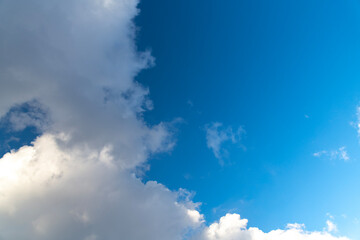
217,135
339,154
232,227
67,68
78,60
49,191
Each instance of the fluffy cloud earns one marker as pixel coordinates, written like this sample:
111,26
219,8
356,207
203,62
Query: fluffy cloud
217,136
331,226
232,227
52,192
78,60
67,68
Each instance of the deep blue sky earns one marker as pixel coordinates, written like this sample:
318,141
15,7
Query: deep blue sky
263,65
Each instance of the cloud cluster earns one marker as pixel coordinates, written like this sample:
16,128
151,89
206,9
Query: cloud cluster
232,227
339,154
217,135
67,68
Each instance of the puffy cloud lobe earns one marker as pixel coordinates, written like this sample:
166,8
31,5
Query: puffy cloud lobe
51,192
232,227
331,226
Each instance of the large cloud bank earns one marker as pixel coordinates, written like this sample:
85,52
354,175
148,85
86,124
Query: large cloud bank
67,68
71,65
77,59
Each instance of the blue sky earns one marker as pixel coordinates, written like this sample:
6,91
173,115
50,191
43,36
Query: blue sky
251,106
289,73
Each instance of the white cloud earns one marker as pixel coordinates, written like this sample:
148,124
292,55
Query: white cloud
217,136
295,226
339,154
78,60
232,227
331,226
73,63
51,192
68,68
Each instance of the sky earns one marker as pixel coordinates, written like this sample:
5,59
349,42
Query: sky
194,120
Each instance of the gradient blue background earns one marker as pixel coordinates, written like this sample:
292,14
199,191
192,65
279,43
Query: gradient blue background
263,65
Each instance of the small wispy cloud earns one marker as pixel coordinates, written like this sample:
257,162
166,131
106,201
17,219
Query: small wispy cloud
357,124
295,226
339,154
190,103
217,135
